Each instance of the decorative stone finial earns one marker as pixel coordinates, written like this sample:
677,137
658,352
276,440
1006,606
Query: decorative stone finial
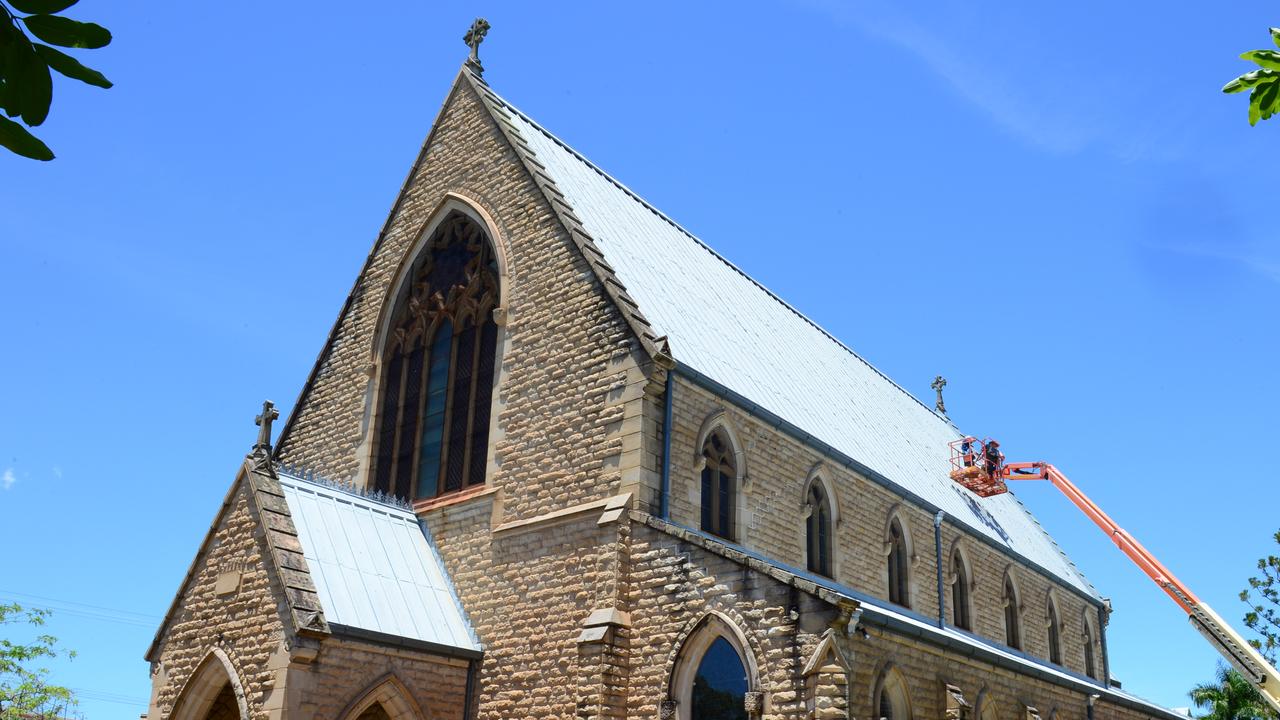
939,383
261,454
473,38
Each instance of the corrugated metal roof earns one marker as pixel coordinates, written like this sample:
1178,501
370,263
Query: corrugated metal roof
374,566
732,330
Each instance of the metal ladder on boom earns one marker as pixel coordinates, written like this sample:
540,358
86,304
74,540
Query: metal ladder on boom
986,474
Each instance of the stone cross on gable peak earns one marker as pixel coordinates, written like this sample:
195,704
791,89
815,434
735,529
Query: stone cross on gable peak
939,383
473,38
263,421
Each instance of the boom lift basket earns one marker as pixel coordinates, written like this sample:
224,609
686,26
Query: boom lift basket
969,468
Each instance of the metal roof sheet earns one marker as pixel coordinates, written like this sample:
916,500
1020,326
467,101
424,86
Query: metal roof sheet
715,318
374,566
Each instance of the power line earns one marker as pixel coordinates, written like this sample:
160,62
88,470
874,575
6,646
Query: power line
105,696
138,615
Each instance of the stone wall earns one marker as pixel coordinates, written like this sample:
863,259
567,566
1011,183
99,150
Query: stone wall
242,619
569,397
347,672
772,521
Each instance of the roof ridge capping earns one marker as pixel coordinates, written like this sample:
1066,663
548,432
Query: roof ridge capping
373,497
667,218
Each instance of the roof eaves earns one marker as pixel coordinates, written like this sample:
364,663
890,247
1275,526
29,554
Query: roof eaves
898,619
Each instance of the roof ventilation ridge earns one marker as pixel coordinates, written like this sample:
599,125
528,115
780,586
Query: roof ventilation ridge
649,206
347,487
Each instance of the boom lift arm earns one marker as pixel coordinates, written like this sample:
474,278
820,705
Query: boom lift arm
971,469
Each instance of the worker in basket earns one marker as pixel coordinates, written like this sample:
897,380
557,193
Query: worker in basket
994,459
966,450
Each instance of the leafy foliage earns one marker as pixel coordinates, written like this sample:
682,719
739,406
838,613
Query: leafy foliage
26,83
25,692
1263,598
1230,697
1263,84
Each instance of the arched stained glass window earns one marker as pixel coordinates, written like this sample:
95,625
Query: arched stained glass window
891,701
718,492
818,530
960,608
1090,667
720,685
1012,621
1055,634
899,566
438,366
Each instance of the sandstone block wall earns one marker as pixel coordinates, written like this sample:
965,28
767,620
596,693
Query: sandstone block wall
569,397
245,624
771,521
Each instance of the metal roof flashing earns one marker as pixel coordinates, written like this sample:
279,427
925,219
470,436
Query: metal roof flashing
375,568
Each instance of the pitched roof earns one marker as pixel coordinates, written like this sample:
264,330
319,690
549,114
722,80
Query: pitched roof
715,317
374,567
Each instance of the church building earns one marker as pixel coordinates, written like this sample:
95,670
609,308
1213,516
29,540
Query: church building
558,458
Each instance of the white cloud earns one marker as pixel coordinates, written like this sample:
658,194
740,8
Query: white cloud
57,472
8,479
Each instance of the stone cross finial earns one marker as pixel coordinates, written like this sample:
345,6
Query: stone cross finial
263,421
939,383
473,38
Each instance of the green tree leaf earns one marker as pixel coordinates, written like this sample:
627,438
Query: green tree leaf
66,32
31,82
1269,59
1267,96
16,138
71,67
1275,36
1250,79
42,7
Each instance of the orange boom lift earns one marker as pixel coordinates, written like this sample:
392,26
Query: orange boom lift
979,466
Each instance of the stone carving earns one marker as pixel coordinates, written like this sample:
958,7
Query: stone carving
939,383
473,38
261,454
753,703
667,710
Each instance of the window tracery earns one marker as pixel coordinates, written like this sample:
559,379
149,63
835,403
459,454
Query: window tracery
438,367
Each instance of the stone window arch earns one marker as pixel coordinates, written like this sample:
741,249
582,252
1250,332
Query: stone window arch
986,709
721,469
386,698
1090,638
1053,623
213,692
961,583
821,518
715,676
899,552
437,365
1011,601
891,699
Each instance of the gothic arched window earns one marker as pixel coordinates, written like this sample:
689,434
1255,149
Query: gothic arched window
719,472
1055,634
892,701
899,565
720,686
437,368
960,607
1090,665
818,529
1012,621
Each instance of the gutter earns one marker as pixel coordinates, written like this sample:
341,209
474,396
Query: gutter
937,545
470,695
773,419
385,639
664,503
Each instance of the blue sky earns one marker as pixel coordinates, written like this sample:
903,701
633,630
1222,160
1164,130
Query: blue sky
1051,205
